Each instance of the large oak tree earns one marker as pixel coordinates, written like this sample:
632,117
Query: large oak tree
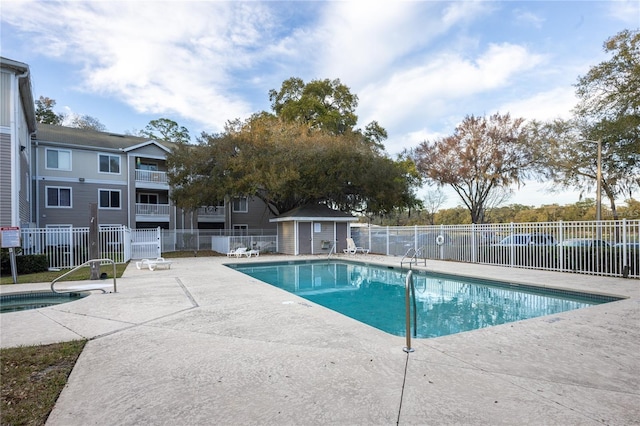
289,165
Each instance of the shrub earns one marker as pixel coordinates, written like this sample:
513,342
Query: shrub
26,264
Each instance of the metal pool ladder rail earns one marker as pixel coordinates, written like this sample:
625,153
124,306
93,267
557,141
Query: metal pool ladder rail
409,294
332,249
86,287
413,256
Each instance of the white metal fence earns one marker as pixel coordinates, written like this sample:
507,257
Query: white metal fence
67,247
609,248
145,243
201,239
598,247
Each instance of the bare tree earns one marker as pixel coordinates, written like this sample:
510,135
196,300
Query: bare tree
432,202
484,155
85,122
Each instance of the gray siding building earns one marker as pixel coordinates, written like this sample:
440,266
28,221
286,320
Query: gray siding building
17,124
127,177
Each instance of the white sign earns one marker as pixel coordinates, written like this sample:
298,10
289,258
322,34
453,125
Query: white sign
10,237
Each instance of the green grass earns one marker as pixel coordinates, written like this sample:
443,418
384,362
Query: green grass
191,253
32,379
84,273
79,275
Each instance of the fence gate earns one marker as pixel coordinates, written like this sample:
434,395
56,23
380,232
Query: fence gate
145,243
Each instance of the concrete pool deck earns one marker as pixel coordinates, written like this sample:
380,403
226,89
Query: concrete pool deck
201,343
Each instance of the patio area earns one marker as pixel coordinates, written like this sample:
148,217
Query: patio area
201,343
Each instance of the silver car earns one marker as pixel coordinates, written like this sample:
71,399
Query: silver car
521,240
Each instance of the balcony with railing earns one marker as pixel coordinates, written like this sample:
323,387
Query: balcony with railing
211,214
152,212
151,179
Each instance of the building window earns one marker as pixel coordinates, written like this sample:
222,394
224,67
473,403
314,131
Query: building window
241,227
109,163
241,205
109,199
58,159
58,196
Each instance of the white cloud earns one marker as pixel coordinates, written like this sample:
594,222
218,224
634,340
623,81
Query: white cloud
360,42
626,11
432,91
174,57
548,105
528,18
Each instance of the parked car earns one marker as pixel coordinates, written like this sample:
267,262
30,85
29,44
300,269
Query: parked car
522,240
630,245
584,242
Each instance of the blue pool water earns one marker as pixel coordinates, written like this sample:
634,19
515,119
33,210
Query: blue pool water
445,304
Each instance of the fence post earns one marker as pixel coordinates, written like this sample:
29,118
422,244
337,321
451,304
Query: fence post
512,248
387,251
474,252
94,250
560,247
159,242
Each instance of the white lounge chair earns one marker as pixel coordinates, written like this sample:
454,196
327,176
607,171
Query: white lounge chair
353,249
152,264
239,252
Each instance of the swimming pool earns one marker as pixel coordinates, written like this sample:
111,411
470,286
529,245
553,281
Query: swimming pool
15,302
445,304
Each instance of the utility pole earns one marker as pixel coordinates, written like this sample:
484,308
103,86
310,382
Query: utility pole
599,183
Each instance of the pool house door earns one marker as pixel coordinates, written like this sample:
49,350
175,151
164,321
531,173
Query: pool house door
304,238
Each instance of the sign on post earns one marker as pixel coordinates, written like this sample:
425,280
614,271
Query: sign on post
10,238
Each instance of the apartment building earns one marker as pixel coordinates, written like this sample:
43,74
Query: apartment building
50,175
127,177
17,124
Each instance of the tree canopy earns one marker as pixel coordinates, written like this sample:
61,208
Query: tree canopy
608,111
610,89
166,130
321,104
44,112
46,115
483,158
289,164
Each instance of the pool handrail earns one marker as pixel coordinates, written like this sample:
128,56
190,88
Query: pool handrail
414,257
86,287
408,284
332,249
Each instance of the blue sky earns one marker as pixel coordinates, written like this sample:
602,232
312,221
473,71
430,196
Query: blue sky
418,67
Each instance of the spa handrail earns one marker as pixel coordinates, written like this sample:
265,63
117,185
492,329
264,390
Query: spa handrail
408,288
85,287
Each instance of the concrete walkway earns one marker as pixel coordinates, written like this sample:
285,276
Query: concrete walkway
203,344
